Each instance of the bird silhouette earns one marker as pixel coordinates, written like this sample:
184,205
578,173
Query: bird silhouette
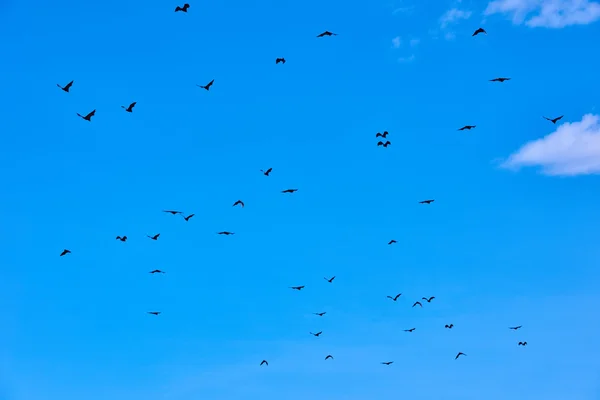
460,353
155,237
426,201
280,60
226,233
130,107
207,86
289,190
172,212
554,120
157,271
122,238
386,144
387,362
267,172
499,80
67,87
449,326
330,279
297,287
428,299
395,297
188,217
326,33
65,252
522,344
89,116
419,303
316,334
154,312
409,330
320,314
514,328
264,362
383,135
478,31
241,203
392,241
328,357
183,9
467,127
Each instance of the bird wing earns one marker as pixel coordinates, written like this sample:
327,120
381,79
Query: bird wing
133,104
68,85
210,83
269,170
379,143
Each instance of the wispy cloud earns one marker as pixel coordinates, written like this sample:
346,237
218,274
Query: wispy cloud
403,10
547,13
396,42
406,59
573,149
452,16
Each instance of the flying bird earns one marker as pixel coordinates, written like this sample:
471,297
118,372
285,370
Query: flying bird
419,303
409,330
478,31
289,190
66,87
316,334
449,326
467,127
328,357
264,362
184,8
89,116
130,108
280,60
172,212
460,353
426,201
267,172
188,217
330,280
155,237
320,314
65,252
388,362
122,238
297,287
326,33
154,312
514,328
383,135
207,86
241,203
395,297
522,344
499,80
392,241
157,271
428,299
554,120
386,144
226,233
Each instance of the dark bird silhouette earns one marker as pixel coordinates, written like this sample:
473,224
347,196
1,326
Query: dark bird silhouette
297,287
267,172
419,303
280,60
328,357
188,217
67,87
326,33
387,362
89,116
386,144
499,80
467,127
320,314
157,271
392,241
130,108
409,330
226,233
155,237
460,353
154,312
264,362
383,135
428,299
183,9
316,334
241,203
289,190
478,31
330,279
207,86
172,212
554,120
395,297
514,328
522,344
65,252
449,326
426,201
122,238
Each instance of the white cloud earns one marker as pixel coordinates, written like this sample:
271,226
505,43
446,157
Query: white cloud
453,15
450,36
396,42
573,149
547,13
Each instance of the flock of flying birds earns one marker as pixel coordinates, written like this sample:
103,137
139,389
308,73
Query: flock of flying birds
267,172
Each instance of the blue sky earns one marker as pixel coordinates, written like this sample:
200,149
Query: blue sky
510,239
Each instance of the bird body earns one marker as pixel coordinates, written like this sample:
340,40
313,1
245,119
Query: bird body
130,107
478,31
329,356
316,334
499,80
418,303
514,328
522,344
289,190
182,9
155,237
226,233
89,116
172,212
383,135
67,87
280,60
264,362
387,362
409,330
449,326
395,297
122,238
188,217
297,287
428,299
320,314
330,280
392,241
386,144
554,120
267,172
157,271
426,201
467,127
65,252
239,202
326,33
154,312
207,86
459,354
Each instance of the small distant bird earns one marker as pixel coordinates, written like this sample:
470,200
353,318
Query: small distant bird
157,271
264,362
154,312
386,144
449,326
478,31
320,314
207,86
330,279
241,203
267,172
89,116
226,233
188,217
426,201
184,8
387,362
280,60
419,303
289,190
459,354
409,330
64,252
326,33
297,287
395,297
122,238
328,357
316,334
514,328
130,108
392,241
522,344
172,212
499,80
428,299
467,127
66,87
155,237
383,135
554,120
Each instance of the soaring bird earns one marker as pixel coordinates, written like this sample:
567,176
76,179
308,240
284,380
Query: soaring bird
172,212
289,190
89,116
122,238
207,86
383,135
387,362
188,217
449,326
467,127
514,328
320,314
267,172
426,201
419,303
154,312
241,203
157,271
66,87
554,120
522,344
392,241
460,353
395,297
328,357
499,80
386,144
428,299
316,334
280,60
327,33
409,330
155,237
297,287
264,362
330,279
226,233
184,8
130,108
478,31
64,252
